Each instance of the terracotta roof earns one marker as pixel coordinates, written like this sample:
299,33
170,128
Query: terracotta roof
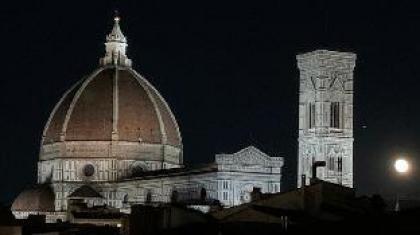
37,198
85,191
112,99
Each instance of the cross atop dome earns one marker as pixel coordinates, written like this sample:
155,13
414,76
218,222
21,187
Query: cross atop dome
115,47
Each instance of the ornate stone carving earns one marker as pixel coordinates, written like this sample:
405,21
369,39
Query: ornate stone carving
249,156
331,74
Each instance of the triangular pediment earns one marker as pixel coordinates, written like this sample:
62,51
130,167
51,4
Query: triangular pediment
250,156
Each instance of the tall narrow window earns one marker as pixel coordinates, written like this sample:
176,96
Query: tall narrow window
225,184
331,164
311,115
225,196
340,164
335,115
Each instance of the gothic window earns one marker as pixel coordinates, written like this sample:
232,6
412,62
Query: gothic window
225,196
331,164
311,118
340,164
335,164
225,184
335,115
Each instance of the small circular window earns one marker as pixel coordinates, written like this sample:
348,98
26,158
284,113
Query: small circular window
88,170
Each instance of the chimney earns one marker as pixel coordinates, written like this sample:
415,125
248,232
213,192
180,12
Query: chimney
315,165
256,194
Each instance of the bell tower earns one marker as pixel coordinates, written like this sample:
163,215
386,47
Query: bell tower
326,115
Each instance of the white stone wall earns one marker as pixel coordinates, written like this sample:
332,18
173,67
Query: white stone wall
326,115
105,169
234,188
233,179
121,150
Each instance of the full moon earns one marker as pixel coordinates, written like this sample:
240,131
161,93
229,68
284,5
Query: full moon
401,165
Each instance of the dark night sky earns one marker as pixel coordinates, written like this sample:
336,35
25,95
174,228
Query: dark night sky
228,71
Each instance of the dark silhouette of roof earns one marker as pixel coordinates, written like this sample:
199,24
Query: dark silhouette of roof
85,191
175,172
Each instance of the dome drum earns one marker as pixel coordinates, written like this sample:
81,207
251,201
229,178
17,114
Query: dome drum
94,170
119,150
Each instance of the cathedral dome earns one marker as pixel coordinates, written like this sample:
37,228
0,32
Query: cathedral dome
113,112
112,104
35,199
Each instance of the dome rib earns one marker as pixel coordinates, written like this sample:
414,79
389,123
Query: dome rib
115,105
165,104
155,106
76,98
56,108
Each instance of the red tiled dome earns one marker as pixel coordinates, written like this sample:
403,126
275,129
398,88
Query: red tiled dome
113,104
86,111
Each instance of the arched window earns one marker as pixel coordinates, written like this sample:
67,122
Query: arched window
331,164
335,115
340,164
311,116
